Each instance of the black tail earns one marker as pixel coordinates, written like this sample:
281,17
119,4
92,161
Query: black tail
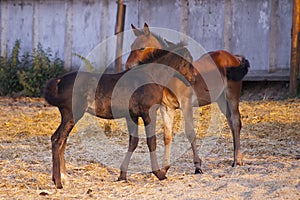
51,92
238,73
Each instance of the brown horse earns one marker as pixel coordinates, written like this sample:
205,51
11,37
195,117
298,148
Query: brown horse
79,92
219,77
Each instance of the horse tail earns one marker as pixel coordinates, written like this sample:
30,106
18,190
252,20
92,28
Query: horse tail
238,73
51,92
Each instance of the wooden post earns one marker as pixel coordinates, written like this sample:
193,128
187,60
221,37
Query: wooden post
274,32
103,51
184,19
295,49
68,35
119,32
35,25
227,34
4,27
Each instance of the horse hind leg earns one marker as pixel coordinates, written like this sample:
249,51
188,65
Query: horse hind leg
58,140
63,170
236,129
229,107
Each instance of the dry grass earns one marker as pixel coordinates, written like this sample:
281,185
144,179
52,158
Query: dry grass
270,142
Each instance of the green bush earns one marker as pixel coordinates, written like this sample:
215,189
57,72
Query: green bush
42,68
30,73
9,67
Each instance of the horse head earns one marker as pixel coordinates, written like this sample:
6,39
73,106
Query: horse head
143,46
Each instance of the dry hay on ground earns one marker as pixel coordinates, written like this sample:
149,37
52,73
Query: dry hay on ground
270,141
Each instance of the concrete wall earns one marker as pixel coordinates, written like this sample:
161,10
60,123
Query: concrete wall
258,29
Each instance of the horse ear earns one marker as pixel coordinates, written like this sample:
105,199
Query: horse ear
146,29
169,43
135,30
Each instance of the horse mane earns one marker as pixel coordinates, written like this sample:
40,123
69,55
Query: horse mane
178,49
162,42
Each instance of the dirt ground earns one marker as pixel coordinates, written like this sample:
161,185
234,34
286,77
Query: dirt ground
270,141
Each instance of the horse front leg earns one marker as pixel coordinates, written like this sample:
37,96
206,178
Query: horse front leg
132,125
187,109
58,141
168,118
63,169
150,124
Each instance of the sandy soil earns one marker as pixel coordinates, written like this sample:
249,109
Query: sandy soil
270,142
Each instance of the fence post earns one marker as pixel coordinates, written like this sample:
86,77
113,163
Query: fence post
227,34
184,18
4,27
119,32
68,36
295,49
274,32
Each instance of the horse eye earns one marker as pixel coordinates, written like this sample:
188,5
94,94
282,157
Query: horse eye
142,48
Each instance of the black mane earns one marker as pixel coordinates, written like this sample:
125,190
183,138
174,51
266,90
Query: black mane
162,42
178,49
167,45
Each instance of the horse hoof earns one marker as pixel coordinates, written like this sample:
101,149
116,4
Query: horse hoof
198,171
160,175
58,185
120,178
236,163
123,176
165,169
162,178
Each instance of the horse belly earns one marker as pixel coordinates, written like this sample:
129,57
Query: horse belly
108,110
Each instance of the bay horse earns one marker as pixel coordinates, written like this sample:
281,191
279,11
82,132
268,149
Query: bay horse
97,97
225,90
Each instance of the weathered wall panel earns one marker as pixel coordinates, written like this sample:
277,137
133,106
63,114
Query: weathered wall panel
241,26
20,24
284,36
52,25
160,13
251,31
206,22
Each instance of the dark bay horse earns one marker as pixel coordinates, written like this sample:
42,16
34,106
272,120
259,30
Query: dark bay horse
219,77
79,92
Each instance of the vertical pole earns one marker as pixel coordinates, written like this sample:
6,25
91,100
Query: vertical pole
68,36
227,34
119,32
273,36
184,18
295,50
4,27
103,32
35,25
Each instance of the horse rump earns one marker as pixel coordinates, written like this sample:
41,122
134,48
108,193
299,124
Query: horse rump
238,73
51,92
58,91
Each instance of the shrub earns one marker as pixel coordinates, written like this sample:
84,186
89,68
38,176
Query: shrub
9,67
43,66
30,73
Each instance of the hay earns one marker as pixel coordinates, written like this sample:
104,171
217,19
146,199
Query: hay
270,141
